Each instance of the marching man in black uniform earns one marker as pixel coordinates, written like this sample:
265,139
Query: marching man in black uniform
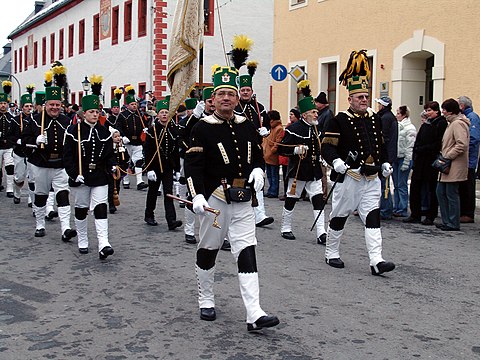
249,107
88,158
133,129
112,119
47,131
304,166
6,145
358,131
223,167
161,156
19,123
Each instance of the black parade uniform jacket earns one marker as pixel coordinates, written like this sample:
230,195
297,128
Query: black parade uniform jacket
183,135
221,148
349,131
258,116
96,151
301,133
17,126
112,120
51,156
5,123
131,125
168,144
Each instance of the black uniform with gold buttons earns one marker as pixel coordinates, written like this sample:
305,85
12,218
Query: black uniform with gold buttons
54,129
17,125
221,148
96,152
131,125
301,133
349,131
5,123
167,138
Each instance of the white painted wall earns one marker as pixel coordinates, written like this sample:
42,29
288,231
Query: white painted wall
130,62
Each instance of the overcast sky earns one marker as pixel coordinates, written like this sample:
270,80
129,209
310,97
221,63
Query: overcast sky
13,14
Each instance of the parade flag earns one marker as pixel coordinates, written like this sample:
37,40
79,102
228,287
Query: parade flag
185,43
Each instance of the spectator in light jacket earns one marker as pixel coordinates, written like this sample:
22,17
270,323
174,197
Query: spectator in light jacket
454,147
467,189
403,163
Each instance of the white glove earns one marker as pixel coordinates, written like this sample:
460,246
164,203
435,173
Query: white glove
145,130
340,166
199,204
198,111
151,176
177,176
263,131
19,141
126,140
41,139
387,169
257,177
80,179
300,150
405,165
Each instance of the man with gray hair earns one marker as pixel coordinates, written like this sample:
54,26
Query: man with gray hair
467,188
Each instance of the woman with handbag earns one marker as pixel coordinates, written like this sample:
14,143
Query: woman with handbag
455,148
423,184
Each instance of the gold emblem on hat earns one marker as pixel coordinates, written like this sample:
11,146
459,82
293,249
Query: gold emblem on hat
54,92
225,78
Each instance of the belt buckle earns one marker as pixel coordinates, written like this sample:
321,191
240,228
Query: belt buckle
53,156
134,137
92,166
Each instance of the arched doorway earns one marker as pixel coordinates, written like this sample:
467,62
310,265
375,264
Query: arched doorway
418,73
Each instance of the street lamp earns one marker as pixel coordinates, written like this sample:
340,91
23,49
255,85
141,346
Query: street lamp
86,85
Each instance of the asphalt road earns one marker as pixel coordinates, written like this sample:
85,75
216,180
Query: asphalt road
141,302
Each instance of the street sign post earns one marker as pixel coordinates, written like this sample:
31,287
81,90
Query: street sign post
279,72
297,73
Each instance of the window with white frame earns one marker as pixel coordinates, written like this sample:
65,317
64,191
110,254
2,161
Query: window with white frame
295,4
328,79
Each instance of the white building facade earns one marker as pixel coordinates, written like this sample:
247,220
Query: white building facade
126,41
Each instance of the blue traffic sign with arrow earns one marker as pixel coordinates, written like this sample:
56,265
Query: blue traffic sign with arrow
279,72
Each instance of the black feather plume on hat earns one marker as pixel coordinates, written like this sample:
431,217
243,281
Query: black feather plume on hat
7,86
304,87
96,81
357,65
59,74
240,48
118,93
252,67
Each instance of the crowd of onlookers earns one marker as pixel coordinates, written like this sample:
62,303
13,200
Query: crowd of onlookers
416,190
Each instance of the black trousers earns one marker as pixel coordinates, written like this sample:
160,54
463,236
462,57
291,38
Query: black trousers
467,195
166,178
416,186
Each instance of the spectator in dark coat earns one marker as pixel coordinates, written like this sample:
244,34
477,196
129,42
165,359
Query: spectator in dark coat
390,136
324,112
424,177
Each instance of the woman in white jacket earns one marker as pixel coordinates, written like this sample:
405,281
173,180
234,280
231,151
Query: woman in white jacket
402,166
